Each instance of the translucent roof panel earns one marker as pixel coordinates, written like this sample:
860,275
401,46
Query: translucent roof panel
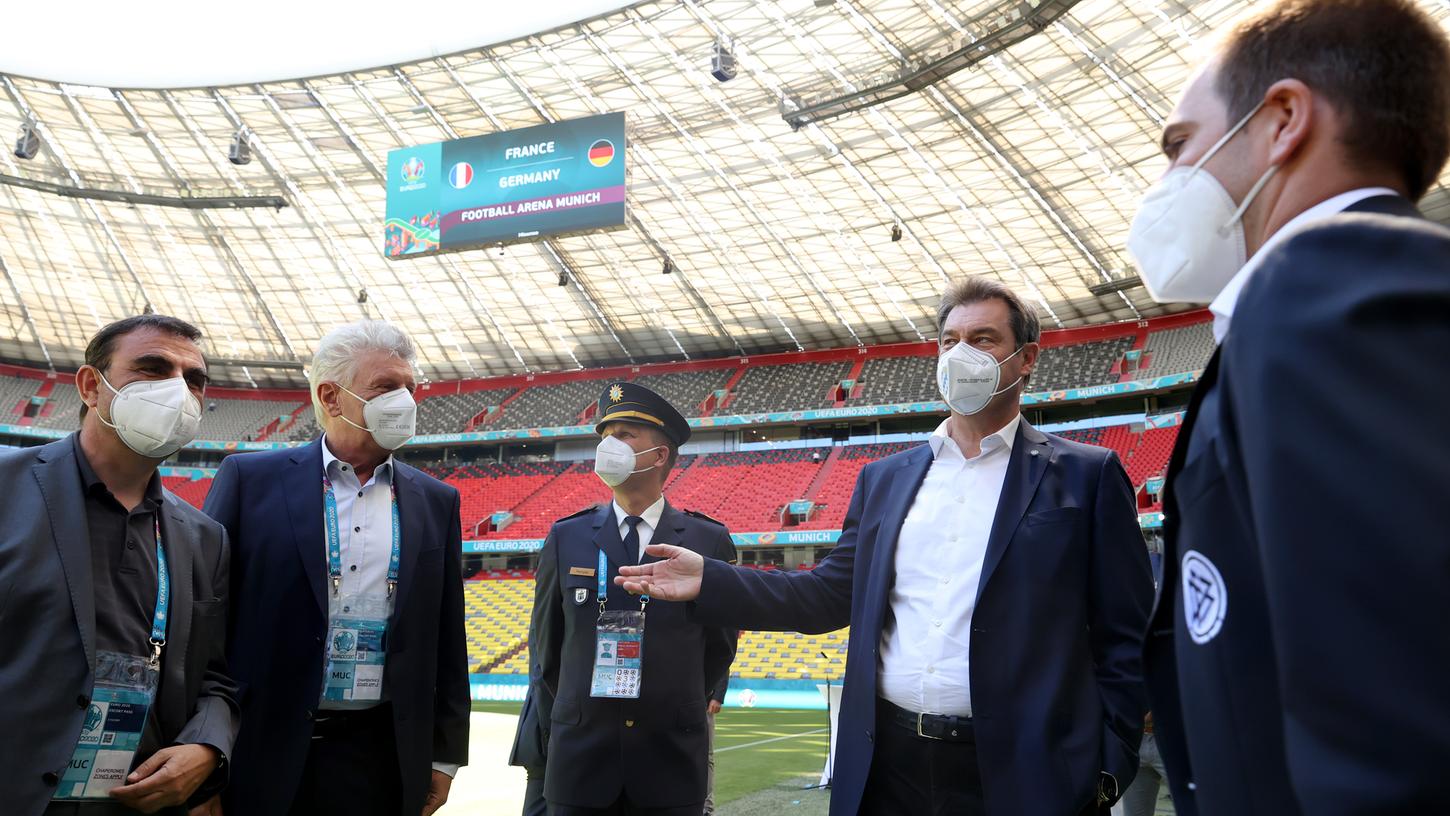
1026,166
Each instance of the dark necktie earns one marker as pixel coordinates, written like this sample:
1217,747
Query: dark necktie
631,540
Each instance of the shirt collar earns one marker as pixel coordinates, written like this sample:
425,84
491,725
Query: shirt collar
91,482
1223,305
331,464
651,514
1003,438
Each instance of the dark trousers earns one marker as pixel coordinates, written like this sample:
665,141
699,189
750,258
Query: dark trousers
534,804
920,776
352,766
622,807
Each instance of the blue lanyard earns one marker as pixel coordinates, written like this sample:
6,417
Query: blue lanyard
163,596
334,540
603,573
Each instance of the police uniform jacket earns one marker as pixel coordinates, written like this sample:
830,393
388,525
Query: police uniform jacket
653,749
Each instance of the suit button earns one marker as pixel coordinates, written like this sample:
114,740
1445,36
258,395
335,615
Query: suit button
868,736
629,723
309,715
50,779
82,701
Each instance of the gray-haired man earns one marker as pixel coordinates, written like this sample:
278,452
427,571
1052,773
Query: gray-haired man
347,621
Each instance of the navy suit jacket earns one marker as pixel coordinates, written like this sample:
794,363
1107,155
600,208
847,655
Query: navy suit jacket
651,750
1298,657
1056,634
271,506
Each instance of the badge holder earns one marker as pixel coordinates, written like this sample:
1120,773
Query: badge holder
111,733
618,646
356,649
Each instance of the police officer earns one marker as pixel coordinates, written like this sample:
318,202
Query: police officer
621,681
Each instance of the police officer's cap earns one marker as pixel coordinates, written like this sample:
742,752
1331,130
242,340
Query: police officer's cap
627,402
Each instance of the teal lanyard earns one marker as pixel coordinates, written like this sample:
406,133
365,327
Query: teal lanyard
163,597
334,540
603,573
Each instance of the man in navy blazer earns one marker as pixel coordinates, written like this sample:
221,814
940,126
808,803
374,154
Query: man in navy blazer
1298,657
996,584
331,542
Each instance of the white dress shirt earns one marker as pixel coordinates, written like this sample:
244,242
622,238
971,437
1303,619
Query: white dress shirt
1223,305
365,524
926,640
647,528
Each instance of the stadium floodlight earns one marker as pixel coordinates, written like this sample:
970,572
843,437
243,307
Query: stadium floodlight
669,268
563,278
27,144
895,233
241,150
362,296
723,65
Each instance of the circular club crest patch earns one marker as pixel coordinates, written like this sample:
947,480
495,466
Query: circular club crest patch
1205,597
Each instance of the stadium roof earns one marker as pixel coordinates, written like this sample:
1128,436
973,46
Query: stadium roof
1026,165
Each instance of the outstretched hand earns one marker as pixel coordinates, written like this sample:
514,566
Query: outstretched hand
677,578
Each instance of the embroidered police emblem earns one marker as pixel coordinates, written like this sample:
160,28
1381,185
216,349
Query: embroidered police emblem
1205,597
615,393
580,596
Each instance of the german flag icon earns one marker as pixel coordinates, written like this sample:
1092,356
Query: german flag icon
601,153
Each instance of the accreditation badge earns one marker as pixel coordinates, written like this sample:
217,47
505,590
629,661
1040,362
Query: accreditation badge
356,650
111,732
618,655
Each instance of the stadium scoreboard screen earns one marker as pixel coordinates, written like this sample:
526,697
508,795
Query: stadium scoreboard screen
562,177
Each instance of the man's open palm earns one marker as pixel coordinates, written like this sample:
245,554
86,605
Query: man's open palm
677,578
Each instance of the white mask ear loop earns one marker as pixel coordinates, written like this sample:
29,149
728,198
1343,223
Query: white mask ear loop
1223,140
98,401
1008,387
642,453
1248,199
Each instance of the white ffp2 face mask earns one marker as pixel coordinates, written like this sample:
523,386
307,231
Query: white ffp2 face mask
1187,238
391,417
968,377
154,418
614,460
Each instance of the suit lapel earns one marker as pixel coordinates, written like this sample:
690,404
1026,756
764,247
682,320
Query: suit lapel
1169,572
60,485
1031,454
606,535
412,513
179,538
303,484
904,482
670,531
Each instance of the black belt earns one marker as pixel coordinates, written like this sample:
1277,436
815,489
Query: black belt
929,726
343,721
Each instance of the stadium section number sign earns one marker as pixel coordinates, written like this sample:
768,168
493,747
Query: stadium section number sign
563,177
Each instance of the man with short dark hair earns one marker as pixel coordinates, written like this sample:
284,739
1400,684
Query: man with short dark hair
1297,655
114,694
996,584
621,681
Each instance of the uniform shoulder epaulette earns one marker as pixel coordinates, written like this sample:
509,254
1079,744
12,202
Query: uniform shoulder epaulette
697,514
586,511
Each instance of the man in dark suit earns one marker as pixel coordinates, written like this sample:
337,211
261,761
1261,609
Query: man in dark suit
996,584
625,710
101,566
1297,656
347,617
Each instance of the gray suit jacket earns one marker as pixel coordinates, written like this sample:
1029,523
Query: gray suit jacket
48,627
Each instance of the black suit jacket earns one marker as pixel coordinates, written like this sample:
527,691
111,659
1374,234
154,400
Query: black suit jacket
1056,634
654,749
1298,657
48,627
271,504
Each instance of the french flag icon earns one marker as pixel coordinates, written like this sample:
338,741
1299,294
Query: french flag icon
461,175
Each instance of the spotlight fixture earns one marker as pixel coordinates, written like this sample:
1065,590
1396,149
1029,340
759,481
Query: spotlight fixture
27,144
723,66
241,150
362,296
149,308
895,232
563,278
669,268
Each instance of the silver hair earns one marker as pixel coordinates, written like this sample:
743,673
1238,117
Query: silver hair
337,355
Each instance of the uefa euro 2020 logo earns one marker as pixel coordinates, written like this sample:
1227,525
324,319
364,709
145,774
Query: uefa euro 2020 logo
93,718
412,170
344,643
